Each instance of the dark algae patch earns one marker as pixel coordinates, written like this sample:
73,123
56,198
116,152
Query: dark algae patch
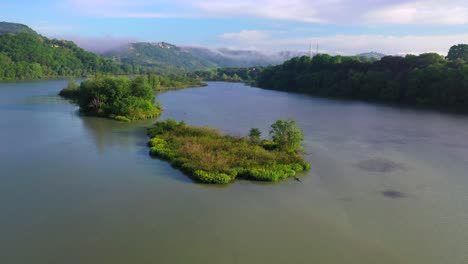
393,194
208,156
379,165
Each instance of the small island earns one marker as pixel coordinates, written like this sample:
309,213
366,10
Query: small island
123,98
208,156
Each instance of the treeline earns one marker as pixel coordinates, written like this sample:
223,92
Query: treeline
171,82
229,74
426,80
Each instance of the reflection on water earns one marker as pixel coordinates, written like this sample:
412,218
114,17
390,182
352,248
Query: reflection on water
386,185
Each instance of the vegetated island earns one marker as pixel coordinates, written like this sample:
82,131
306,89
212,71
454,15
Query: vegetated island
123,98
208,156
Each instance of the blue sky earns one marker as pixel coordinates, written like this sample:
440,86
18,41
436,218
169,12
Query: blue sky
339,26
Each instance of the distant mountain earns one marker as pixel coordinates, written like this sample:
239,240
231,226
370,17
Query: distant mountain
161,56
371,55
172,58
24,54
15,28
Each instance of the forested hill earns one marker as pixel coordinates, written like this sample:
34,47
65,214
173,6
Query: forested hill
427,80
15,28
161,57
165,57
24,54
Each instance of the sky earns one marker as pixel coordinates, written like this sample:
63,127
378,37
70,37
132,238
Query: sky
337,26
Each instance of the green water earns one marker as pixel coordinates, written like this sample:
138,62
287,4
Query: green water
387,185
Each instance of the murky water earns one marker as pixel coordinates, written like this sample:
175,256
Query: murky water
387,185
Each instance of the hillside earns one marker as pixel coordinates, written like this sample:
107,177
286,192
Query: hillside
162,57
24,54
168,57
15,28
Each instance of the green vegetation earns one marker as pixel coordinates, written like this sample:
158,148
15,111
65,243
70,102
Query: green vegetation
287,135
171,82
15,28
120,98
210,157
458,52
248,75
255,135
30,56
71,91
161,58
426,80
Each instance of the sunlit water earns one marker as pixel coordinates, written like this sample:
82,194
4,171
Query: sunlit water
387,185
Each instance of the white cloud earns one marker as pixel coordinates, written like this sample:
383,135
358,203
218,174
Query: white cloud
101,44
118,8
346,44
422,12
317,11
246,35
294,10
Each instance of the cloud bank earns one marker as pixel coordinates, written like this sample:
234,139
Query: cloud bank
318,11
346,44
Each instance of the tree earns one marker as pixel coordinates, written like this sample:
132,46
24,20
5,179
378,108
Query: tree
459,51
255,135
287,135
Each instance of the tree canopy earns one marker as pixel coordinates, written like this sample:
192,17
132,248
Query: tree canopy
425,80
116,97
287,135
458,52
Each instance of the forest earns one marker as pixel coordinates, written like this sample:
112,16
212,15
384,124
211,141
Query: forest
428,80
26,56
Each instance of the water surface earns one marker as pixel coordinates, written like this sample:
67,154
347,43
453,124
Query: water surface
387,185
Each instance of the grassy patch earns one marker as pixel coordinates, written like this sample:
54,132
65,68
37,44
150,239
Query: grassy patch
208,156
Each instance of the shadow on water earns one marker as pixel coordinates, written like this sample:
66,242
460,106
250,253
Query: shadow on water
379,165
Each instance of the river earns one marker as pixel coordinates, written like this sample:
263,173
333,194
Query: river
386,185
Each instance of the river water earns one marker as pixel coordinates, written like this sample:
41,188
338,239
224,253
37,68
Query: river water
387,185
